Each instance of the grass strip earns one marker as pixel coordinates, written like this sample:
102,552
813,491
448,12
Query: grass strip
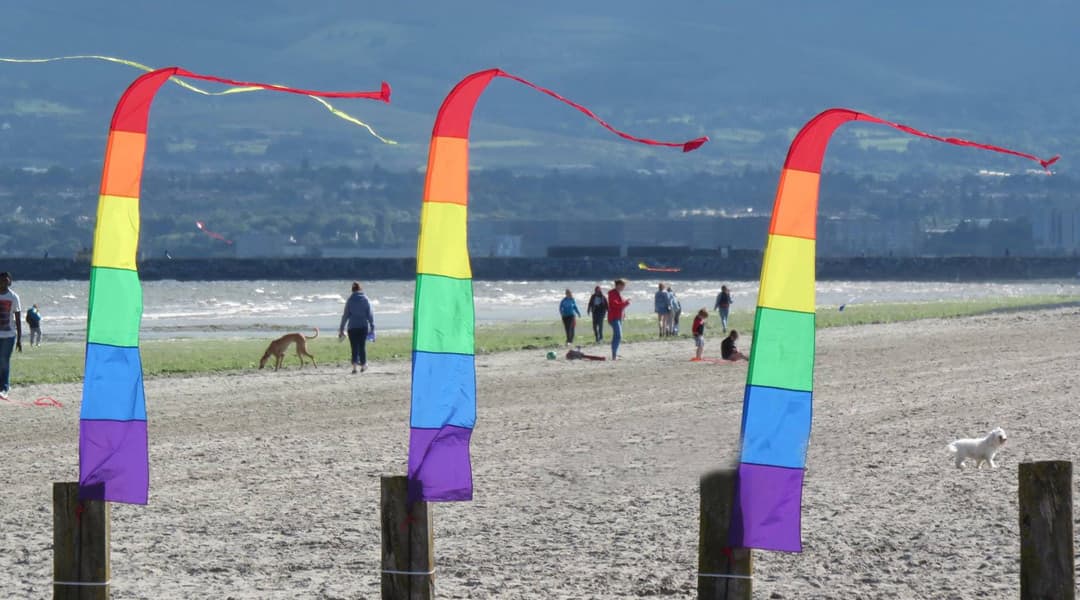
63,361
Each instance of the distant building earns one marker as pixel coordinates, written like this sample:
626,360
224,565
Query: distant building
868,236
1056,230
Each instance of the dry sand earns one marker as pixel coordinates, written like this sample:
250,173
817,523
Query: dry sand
265,485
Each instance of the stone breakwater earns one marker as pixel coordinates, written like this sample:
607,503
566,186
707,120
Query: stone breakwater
494,269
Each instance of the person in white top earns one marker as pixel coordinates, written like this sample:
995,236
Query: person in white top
10,330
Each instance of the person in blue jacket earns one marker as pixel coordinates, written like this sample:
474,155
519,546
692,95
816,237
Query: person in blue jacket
360,322
569,312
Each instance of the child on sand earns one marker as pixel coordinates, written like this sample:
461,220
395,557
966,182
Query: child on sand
728,351
698,329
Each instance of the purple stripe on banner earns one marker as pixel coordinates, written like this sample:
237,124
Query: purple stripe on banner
439,466
767,512
113,461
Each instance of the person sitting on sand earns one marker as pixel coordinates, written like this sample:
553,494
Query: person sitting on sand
698,329
728,351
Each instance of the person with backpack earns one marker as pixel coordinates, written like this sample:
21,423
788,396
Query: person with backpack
33,319
676,311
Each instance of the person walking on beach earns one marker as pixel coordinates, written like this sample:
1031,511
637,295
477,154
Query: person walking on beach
698,330
662,308
569,312
728,351
10,330
598,309
616,306
676,311
33,319
360,322
723,304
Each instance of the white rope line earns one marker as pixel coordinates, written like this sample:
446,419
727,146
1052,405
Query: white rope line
83,583
727,576
391,572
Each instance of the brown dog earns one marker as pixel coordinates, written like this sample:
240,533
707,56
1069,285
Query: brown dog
280,345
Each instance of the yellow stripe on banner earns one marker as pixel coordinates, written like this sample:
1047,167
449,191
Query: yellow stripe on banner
180,82
443,249
116,235
787,274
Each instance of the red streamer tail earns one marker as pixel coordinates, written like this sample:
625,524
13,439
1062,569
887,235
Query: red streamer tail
1045,163
382,95
688,146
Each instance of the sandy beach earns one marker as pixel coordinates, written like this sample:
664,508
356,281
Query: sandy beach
265,485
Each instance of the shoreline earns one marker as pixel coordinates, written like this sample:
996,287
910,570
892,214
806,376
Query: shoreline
739,264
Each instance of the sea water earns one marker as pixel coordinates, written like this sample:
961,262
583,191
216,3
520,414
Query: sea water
175,309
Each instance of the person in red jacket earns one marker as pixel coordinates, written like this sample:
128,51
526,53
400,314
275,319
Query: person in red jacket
616,306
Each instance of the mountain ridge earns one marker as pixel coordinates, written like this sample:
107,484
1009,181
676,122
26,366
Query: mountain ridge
749,75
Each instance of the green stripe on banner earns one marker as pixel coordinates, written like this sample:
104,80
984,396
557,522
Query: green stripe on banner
115,307
444,319
783,352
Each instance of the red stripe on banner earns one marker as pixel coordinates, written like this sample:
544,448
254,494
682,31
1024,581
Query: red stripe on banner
455,114
808,148
133,110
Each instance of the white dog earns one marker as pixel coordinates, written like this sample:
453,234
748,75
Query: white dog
979,449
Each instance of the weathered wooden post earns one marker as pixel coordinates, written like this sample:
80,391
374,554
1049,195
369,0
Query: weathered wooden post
1046,531
724,573
408,561
80,545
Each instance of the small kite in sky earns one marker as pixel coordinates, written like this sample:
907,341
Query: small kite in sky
217,236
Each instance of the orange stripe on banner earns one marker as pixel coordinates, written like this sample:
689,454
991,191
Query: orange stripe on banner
448,171
123,167
795,208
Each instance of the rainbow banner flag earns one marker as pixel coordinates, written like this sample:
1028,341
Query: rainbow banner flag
113,458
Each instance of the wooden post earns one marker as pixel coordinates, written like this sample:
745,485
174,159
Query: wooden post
1046,531
723,572
80,545
408,561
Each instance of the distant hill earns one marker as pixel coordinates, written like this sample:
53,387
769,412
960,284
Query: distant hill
747,74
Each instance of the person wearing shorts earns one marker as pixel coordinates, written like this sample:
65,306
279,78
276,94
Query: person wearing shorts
698,329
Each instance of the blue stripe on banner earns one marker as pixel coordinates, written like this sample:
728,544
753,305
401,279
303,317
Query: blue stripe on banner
776,426
443,390
113,384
